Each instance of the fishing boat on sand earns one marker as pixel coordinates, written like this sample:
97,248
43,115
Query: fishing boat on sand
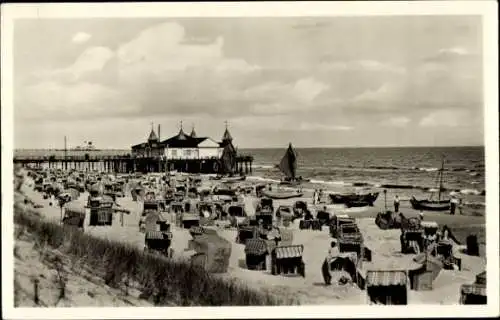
288,166
431,204
282,194
354,199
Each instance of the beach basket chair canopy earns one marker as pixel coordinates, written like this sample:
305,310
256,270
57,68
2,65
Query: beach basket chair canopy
474,289
481,278
286,252
429,224
256,246
386,278
157,235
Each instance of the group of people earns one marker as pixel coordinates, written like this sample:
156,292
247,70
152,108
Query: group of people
317,196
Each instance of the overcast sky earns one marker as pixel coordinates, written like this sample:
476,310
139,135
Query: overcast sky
339,81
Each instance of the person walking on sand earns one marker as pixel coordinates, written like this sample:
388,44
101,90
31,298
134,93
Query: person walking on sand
396,204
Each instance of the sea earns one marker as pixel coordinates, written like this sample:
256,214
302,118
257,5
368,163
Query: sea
413,169
406,171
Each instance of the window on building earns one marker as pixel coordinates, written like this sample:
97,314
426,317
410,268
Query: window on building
174,153
187,153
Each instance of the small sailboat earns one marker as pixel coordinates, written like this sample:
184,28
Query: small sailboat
430,204
288,166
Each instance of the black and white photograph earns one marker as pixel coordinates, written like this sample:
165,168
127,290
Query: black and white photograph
336,155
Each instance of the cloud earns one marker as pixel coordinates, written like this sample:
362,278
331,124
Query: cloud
397,122
277,97
311,25
61,101
308,89
81,37
383,93
365,66
323,127
163,71
449,54
445,118
92,60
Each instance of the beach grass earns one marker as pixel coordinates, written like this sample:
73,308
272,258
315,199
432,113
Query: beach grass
163,282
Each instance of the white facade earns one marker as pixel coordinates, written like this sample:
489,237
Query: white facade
206,149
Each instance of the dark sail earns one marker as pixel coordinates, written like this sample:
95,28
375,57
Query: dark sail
228,158
288,164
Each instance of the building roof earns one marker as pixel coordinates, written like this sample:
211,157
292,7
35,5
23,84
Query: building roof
140,145
152,136
183,141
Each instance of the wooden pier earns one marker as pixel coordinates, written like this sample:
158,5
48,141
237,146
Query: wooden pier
130,164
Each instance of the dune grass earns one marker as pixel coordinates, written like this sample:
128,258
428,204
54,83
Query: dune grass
161,281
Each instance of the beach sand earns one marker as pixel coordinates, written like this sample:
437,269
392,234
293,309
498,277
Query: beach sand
310,290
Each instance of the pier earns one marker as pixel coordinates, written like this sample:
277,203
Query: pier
131,164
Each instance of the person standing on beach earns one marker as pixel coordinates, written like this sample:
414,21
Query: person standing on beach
396,204
314,196
453,205
333,251
421,215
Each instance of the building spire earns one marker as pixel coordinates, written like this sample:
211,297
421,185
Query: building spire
181,135
193,133
152,134
227,136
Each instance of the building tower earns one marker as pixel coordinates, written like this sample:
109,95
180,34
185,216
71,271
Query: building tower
152,135
226,138
181,135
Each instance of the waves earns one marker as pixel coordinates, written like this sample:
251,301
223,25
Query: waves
365,184
263,166
336,183
263,179
321,168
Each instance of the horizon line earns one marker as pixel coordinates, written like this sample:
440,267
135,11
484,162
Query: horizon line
281,147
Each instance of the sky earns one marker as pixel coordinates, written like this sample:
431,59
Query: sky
315,82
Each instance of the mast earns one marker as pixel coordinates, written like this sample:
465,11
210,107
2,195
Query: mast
65,154
385,200
441,178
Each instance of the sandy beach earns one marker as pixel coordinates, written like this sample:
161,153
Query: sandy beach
311,289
